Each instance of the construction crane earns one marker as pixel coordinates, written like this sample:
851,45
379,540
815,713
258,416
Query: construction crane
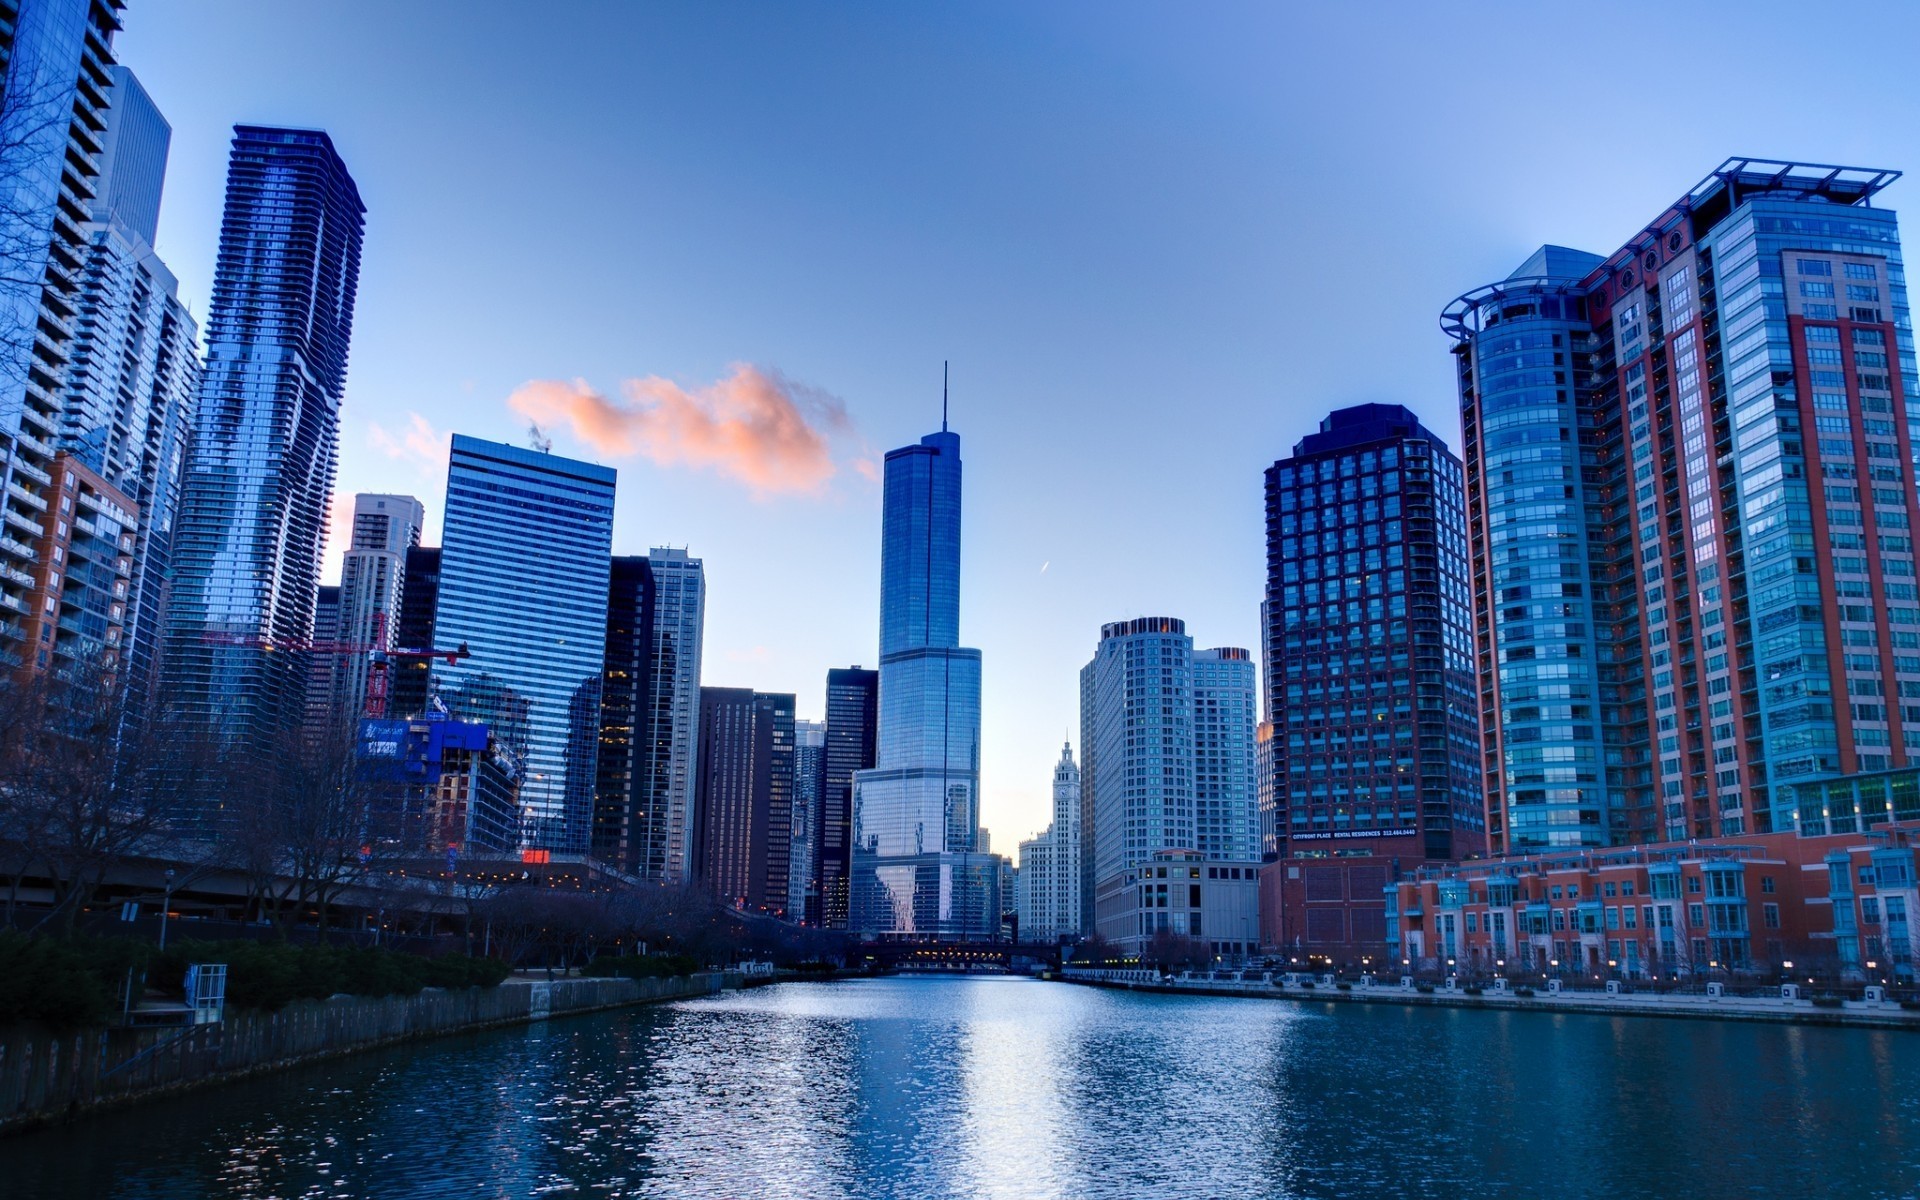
380,663
380,659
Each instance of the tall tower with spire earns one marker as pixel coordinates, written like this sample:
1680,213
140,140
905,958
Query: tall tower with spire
917,866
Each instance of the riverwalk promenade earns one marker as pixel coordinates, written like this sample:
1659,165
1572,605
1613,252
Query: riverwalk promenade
1785,1004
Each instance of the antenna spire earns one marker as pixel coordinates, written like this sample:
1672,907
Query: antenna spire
943,395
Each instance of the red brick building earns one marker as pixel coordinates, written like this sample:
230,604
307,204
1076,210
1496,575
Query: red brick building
1771,905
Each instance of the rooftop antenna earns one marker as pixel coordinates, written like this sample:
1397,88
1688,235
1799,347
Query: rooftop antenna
943,395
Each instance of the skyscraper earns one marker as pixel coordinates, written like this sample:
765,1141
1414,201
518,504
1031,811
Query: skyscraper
1226,815
419,593
853,705
672,716
1370,690
253,513
803,882
1048,883
55,52
320,719
1373,749
744,836
619,806
373,577
524,564
131,384
1139,725
916,821
1689,476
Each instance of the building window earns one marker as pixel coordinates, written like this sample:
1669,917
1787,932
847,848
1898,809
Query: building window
1814,266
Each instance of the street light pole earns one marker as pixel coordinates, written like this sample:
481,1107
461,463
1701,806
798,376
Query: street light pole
165,906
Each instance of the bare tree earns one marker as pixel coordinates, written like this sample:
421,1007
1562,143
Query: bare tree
79,790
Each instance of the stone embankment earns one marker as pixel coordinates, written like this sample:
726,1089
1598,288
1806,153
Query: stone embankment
1784,1005
50,1076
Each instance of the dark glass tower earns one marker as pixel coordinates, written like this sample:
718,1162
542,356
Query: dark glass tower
619,808
745,807
418,594
853,704
254,508
916,823
1375,743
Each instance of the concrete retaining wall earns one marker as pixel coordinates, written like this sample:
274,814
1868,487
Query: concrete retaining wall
45,1076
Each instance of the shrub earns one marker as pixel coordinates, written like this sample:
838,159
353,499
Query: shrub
1523,990
1473,989
1424,988
62,985
1827,1002
271,975
1345,987
1307,984
642,966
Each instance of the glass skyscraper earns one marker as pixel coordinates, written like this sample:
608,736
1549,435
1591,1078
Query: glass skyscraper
524,565
853,706
260,476
916,825
1689,472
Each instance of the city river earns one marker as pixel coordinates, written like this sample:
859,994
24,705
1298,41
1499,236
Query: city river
987,1087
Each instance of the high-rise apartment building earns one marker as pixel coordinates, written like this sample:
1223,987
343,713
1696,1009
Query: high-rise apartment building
1373,748
809,763
1689,472
1169,744
853,705
320,719
132,379
746,761
252,525
524,563
1226,814
373,575
1048,883
916,867
419,593
1137,735
1375,745
56,64
76,620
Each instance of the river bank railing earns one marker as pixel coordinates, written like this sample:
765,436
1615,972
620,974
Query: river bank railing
1869,1004
46,1076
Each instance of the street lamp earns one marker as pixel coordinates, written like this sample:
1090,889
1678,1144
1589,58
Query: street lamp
166,905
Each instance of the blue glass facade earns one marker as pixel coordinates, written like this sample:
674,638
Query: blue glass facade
524,568
260,476
916,816
55,64
1690,474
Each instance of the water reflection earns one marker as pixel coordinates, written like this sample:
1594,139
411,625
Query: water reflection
1008,1088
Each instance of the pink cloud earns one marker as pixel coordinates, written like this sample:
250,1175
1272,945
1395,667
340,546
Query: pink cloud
419,442
755,426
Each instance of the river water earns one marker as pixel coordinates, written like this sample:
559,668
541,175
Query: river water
998,1087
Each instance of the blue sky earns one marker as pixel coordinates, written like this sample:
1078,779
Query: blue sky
1157,242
